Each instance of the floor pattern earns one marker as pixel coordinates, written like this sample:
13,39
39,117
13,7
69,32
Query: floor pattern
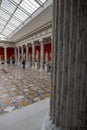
21,87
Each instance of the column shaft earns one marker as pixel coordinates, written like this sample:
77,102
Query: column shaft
41,55
22,53
26,52
15,53
18,55
5,55
33,55
68,108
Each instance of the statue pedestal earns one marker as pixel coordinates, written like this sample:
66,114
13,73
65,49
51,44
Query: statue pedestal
11,62
29,64
46,67
0,61
36,65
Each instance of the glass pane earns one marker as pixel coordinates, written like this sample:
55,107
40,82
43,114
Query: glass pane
21,15
7,5
2,22
4,15
2,37
29,6
42,1
9,29
31,3
10,26
15,22
5,34
6,31
1,27
16,1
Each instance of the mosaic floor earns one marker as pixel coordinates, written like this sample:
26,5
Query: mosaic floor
21,87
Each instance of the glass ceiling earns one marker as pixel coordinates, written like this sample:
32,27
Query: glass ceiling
13,13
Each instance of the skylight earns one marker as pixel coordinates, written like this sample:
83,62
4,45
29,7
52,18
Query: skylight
13,13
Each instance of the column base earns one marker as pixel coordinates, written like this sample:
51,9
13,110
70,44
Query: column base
36,65
41,69
29,65
46,68
5,63
48,125
32,67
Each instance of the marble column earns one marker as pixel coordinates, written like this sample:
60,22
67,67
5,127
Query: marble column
18,55
22,53
0,59
33,55
41,55
26,54
15,53
5,55
29,60
68,104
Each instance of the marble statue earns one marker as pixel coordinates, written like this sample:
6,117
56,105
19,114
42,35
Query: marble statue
29,57
37,55
46,57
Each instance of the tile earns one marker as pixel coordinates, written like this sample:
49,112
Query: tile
19,88
9,109
24,103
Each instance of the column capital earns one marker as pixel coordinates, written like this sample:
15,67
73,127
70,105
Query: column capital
18,46
41,40
51,37
5,47
26,44
21,45
32,42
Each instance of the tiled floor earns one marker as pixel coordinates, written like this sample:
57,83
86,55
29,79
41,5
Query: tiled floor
21,87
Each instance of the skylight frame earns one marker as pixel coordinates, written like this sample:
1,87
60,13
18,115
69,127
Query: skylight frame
10,16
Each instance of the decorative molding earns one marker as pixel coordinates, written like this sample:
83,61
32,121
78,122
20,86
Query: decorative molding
36,37
7,45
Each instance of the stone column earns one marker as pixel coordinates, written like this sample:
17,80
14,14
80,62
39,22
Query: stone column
0,59
22,53
5,55
15,53
33,54
18,55
41,54
26,54
29,60
68,104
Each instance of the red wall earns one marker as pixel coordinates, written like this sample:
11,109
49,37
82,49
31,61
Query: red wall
47,48
2,52
37,48
10,53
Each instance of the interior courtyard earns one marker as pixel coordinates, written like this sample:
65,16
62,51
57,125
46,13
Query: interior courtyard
43,65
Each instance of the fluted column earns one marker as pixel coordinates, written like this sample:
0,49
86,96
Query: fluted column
68,104
41,54
33,54
5,54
